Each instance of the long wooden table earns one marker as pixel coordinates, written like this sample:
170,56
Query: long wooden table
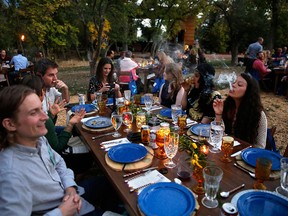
232,176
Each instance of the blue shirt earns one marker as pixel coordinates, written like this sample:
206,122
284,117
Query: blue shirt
33,180
20,62
253,49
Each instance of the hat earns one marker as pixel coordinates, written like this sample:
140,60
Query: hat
127,64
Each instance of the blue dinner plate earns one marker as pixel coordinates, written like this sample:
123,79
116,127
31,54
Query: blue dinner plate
250,156
98,122
166,199
88,107
262,203
195,129
127,153
168,113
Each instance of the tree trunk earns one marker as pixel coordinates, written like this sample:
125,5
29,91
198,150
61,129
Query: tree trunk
234,52
275,8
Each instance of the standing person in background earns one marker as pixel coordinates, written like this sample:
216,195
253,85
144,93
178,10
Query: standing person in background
48,70
242,112
171,92
4,58
251,53
20,62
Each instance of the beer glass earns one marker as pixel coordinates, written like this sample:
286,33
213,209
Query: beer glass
262,172
212,177
227,148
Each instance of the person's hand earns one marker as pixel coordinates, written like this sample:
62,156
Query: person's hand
78,116
117,87
71,202
218,106
57,106
105,88
60,84
186,86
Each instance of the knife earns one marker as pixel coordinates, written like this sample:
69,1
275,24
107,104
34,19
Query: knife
138,188
108,146
138,172
102,135
239,152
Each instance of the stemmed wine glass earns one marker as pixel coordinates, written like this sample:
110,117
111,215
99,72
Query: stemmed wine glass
171,147
148,100
116,121
127,120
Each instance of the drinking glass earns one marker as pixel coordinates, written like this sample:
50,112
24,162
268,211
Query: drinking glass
137,99
127,120
212,177
182,122
116,121
262,172
203,136
176,110
171,142
127,95
148,100
102,106
227,148
184,167
283,189
140,119
216,134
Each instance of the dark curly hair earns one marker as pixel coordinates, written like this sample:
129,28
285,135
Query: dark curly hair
99,70
42,66
249,112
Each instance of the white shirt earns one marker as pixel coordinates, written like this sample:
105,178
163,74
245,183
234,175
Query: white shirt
50,97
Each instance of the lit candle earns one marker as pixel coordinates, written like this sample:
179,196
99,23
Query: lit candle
127,103
204,149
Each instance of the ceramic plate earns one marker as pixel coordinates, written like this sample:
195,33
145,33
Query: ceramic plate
127,153
166,199
98,122
167,113
88,108
260,203
195,129
250,156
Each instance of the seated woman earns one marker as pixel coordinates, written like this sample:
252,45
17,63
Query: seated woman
103,80
171,92
242,112
199,94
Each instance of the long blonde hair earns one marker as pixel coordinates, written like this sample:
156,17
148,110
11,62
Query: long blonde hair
176,71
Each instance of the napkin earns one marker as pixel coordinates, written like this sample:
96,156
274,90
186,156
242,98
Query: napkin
236,143
111,143
88,118
155,107
150,177
190,122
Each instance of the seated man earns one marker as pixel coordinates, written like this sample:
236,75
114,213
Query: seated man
278,58
20,62
34,178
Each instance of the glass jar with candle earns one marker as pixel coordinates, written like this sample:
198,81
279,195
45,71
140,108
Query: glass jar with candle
140,119
163,131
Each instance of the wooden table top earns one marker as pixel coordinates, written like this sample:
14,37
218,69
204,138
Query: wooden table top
232,176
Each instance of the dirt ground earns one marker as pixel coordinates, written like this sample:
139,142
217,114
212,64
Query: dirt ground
276,107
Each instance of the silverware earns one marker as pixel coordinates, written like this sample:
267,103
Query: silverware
138,172
108,146
112,143
245,170
226,194
138,188
136,176
102,135
239,152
